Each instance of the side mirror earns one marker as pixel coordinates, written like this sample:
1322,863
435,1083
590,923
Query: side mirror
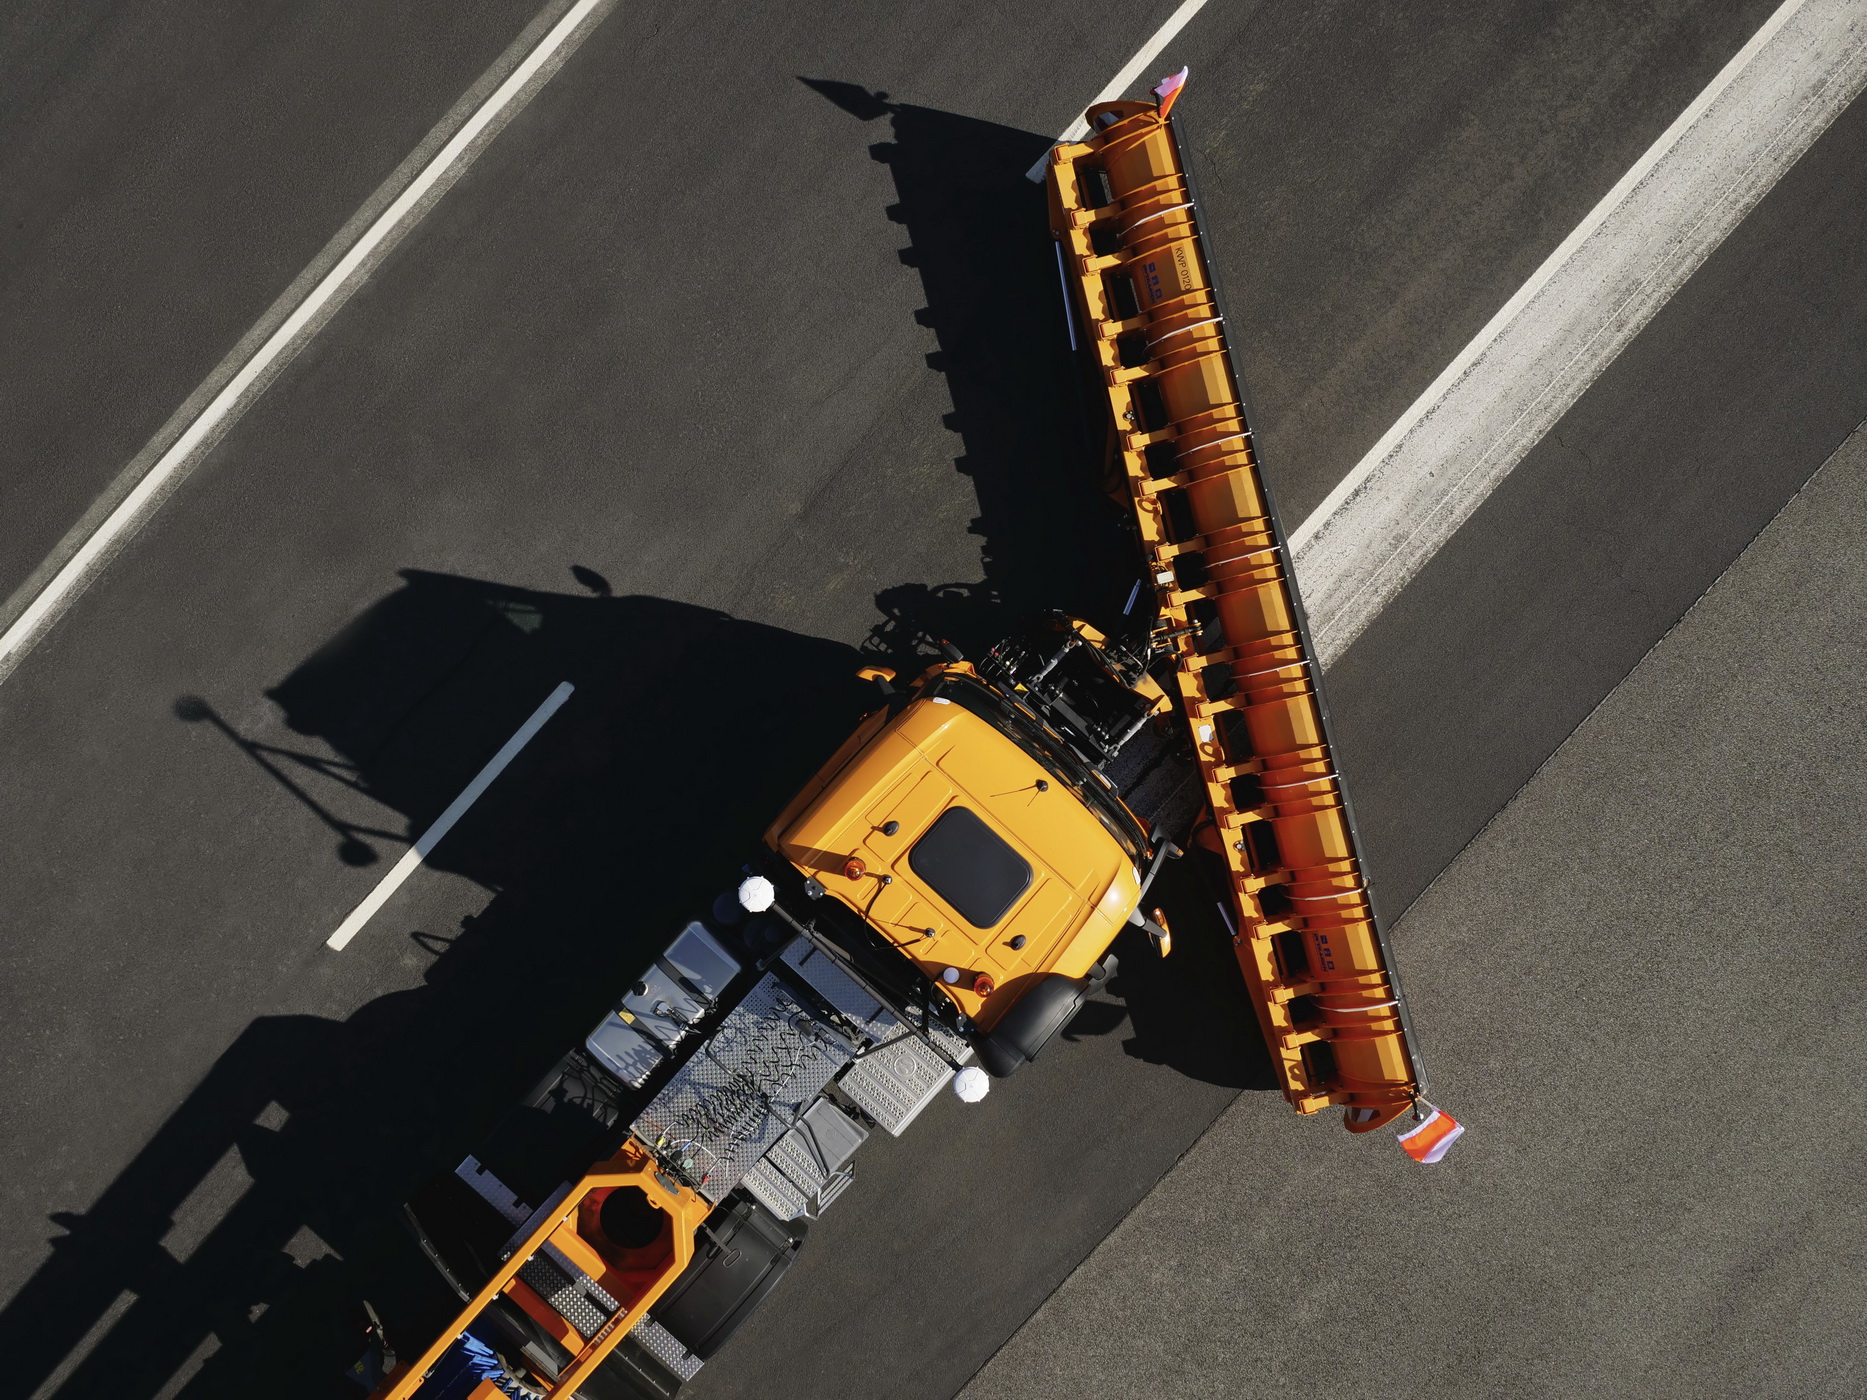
1155,928
1163,940
881,675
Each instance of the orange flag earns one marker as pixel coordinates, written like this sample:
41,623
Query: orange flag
1431,1140
1168,91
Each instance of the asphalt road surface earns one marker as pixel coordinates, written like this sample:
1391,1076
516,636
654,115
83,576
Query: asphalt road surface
1659,1194
738,356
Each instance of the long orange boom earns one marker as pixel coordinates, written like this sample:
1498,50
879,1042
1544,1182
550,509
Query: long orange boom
1136,270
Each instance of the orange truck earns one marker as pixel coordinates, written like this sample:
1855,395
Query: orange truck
940,899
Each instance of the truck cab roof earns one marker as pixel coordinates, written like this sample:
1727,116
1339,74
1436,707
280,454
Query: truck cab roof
966,849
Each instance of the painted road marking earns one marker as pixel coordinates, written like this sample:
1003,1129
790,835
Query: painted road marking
143,486
1581,308
1121,82
416,854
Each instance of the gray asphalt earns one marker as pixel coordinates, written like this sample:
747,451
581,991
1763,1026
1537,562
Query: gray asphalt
665,332
1643,982
165,173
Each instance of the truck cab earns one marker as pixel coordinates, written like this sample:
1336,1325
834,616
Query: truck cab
972,824
986,862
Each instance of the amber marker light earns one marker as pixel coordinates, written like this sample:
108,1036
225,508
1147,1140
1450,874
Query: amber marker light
983,985
854,869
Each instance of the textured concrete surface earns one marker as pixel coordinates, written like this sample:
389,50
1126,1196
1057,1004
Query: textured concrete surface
1640,989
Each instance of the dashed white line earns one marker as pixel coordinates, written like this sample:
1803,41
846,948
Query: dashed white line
144,486
1123,80
416,854
1565,326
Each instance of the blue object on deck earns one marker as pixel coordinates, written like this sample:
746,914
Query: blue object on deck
461,1369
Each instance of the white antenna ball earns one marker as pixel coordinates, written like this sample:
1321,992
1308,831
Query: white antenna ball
971,1084
756,894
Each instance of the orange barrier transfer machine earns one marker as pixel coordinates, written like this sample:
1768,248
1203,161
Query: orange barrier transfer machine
936,905
1142,288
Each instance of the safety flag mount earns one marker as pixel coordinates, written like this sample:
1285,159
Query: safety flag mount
1430,1140
1169,90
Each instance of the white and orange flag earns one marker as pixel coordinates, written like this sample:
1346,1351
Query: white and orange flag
1168,90
1432,1139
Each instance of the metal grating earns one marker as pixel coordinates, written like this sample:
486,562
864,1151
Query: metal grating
598,1294
894,1082
803,1172
790,1156
775,1191
493,1191
659,1343
743,1089
571,1292
953,1042
837,987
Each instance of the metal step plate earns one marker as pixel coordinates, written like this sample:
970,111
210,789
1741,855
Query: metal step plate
775,1191
804,1169
493,1191
659,1343
894,1082
576,1297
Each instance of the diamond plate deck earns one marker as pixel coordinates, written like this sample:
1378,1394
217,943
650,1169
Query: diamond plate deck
837,987
568,1289
493,1191
893,1083
792,1158
659,1343
775,1191
743,1089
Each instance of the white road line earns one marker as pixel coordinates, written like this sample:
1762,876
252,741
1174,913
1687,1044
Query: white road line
1121,82
1565,326
144,484
416,854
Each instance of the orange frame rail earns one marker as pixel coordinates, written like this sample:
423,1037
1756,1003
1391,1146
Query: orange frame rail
1315,960
633,1166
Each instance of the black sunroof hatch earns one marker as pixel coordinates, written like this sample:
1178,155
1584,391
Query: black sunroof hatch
969,866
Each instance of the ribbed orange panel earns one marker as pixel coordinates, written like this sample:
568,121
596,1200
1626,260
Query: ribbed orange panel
1306,935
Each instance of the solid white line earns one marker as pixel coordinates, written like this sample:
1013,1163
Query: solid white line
1565,326
416,854
77,572
1119,84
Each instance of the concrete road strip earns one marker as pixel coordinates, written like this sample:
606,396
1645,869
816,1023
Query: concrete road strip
416,854
1565,326
294,319
1123,80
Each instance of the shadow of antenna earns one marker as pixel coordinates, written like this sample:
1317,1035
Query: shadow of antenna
853,98
351,848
